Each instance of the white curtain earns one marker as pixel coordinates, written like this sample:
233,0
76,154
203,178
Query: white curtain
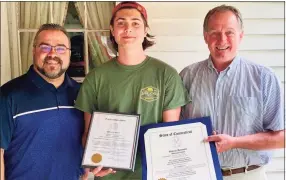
10,65
32,16
98,17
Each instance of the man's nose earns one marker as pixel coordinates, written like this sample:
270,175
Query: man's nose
52,52
127,28
222,37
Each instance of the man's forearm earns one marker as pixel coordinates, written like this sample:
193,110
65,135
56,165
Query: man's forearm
171,115
87,117
2,176
261,141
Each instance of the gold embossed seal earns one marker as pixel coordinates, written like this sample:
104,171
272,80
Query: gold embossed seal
96,158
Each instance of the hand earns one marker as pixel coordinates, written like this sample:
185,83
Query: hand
223,142
97,172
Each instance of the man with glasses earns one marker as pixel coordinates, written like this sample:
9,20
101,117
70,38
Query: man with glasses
40,129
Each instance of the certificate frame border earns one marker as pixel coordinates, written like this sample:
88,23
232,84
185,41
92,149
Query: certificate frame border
135,143
204,120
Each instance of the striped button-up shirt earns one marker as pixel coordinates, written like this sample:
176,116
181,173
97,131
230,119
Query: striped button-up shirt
243,99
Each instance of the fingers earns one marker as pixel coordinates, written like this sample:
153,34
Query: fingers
85,175
219,147
216,139
223,142
96,170
102,173
212,138
99,172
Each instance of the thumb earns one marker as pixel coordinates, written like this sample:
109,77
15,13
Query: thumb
212,138
208,139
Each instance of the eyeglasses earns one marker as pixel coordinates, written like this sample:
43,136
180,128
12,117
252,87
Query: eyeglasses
47,48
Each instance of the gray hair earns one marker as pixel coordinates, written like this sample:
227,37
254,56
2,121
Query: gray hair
223,8
50,26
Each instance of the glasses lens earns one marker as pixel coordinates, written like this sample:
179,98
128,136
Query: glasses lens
60,49
45,48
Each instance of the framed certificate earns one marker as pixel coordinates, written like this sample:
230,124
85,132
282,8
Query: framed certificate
176,150
112,141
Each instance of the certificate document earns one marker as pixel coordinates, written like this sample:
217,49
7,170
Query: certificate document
178,152
112,141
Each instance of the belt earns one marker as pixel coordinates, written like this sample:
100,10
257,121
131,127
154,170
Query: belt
229,172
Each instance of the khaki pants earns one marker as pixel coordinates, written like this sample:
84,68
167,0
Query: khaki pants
256,174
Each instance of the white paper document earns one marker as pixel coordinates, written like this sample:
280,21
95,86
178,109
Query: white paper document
179,153
111,141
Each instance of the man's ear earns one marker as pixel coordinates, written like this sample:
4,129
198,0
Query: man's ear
206,37
146,32
241,35
34,49
111,30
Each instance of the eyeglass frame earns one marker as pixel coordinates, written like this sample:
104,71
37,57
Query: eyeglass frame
52,47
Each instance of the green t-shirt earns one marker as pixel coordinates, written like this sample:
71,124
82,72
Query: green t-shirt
148,89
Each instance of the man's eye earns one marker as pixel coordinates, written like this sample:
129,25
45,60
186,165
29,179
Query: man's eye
214,34
136,24
120,23
45,48
61,48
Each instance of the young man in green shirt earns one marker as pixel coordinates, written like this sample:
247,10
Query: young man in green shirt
132,82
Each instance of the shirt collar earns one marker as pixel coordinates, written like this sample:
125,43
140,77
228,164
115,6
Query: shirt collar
210,64
42,83
229,69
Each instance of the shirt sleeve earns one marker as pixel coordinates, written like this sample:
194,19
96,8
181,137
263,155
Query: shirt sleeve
6,121
87,96
185,75
176,94
272,102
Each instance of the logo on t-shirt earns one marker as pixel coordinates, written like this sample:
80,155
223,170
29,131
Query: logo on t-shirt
149,93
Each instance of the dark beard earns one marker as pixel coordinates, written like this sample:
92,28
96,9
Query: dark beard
52,76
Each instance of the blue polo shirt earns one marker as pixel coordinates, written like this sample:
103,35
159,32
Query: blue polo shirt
40,129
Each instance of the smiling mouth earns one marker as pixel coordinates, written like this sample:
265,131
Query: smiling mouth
222,48
51,62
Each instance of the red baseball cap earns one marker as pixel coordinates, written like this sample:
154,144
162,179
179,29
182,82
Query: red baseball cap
131,4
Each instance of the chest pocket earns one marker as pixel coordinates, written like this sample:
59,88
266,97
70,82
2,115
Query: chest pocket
248,105
245,109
